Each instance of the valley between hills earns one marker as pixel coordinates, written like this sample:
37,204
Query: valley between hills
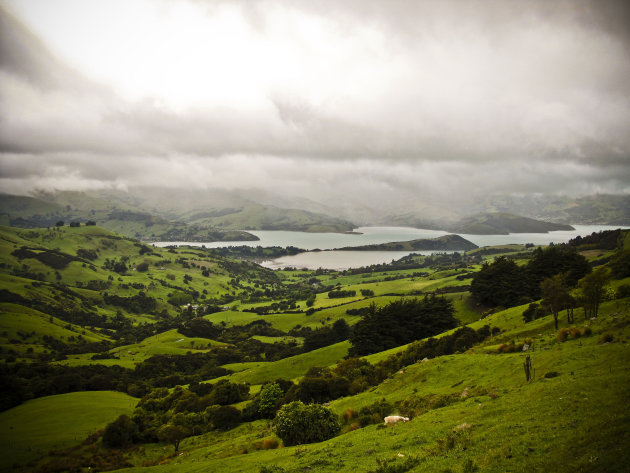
121,355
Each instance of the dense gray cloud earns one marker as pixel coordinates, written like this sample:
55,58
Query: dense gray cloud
372,101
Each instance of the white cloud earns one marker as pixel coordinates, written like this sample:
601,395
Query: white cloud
376,101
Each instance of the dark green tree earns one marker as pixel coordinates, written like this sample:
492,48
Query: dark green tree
501,283
297,423
620,265
592,289
270,396
555,295
401,322
171,433
121,433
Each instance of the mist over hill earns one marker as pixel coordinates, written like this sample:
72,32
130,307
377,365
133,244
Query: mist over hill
215,215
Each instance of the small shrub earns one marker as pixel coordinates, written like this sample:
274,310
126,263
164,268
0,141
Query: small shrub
271,469
606,338
586,331
142,267
458,438
348,415
562,335
574,332
267,444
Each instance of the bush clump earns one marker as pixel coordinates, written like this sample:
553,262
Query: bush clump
606,338
572,332
562,335
297,423
510,347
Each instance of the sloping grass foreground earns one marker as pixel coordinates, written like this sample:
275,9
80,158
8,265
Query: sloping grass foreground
483,415
32,429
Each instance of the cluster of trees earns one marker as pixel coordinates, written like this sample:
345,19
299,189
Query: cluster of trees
53,258
605,240
117,266
503,283
258,252
138,304
401,322
171,416
323,336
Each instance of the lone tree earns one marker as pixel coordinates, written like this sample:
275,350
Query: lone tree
592,289
555,295
270,396
174,434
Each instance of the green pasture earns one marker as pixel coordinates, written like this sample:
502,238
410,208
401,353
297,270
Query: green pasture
32,429
165,343
287,368
572,420
29,326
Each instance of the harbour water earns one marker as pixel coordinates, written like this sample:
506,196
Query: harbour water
376,235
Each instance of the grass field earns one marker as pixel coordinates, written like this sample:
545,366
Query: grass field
287,368
166,343
37,426
569,418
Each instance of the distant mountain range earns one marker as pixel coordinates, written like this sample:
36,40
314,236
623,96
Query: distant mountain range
144,220
155,214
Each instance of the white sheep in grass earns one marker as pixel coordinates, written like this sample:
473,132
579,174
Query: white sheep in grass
395,419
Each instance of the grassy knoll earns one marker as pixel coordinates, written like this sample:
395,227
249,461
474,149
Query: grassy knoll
23,330
54,422
165,343
287,368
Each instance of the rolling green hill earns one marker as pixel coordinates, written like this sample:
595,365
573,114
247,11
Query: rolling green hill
156,220
502,223
82,308
443,243
48,209
470,412
55,422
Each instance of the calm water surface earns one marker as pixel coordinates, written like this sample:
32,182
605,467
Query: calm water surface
375,235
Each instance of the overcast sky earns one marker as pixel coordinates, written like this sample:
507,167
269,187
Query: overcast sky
357,99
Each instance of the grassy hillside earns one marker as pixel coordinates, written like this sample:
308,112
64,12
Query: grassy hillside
55,422
502,223
155,221
83,308
122,218
253,216
474,412
443,243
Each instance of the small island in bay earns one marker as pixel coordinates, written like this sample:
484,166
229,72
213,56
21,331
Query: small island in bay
443,243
